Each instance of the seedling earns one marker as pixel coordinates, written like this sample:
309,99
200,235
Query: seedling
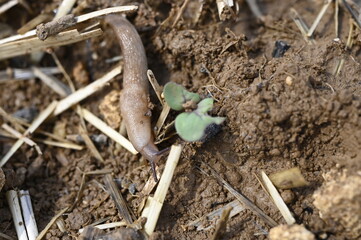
190,125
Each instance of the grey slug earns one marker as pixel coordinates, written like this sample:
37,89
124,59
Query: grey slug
134,98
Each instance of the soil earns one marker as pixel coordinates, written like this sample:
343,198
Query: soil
284,112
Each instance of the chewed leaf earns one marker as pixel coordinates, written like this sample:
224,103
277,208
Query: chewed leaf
191,126
176,95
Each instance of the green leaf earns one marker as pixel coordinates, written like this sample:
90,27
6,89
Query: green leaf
205,105
176,95
191,126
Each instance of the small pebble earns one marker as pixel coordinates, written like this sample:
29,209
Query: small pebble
289,80
280,48
288,196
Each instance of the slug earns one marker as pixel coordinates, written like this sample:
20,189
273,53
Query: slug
134,98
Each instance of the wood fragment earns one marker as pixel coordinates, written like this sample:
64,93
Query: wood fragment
33,44
221,224
243,199
281,205
85,92
118,199
154,204
52,221
35,124
80,19
43,31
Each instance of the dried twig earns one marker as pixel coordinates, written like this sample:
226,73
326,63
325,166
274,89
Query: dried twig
35,124
199,223
12,74
156,87
154,204
64,8
281,205
248,204
302,26
62,144
107,225
255,9
118,199
162,117
33,22
180,12
28,214
337,2
85,92
14,205
18,135
7,237
34,44
11,119
82,184
52,221
63,71
354,15
110,132
84,134
221,224
79,19
318,18
6,6
348,46
55,84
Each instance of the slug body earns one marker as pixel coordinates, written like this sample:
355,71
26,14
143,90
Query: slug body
134,98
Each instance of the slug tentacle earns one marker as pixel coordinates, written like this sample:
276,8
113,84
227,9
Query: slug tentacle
134,96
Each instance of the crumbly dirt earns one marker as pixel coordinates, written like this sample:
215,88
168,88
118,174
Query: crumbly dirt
340,209
288,232
285,112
